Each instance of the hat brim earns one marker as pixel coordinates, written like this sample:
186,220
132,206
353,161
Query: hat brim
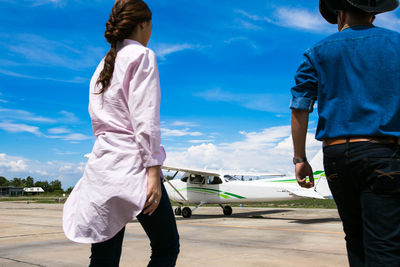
329,8
329,14
383,6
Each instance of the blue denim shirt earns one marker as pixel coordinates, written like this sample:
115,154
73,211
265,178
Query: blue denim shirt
355,77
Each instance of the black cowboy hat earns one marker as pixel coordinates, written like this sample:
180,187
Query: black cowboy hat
329,8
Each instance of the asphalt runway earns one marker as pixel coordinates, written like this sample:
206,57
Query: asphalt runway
31,235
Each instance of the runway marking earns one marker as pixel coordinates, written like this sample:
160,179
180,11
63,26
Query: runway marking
266,228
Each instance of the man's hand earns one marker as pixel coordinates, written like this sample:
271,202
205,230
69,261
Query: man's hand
303,169
153,190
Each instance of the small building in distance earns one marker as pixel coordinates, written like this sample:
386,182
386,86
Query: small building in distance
11,191
33,190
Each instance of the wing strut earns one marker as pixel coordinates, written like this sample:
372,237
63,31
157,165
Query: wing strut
198,206
173,187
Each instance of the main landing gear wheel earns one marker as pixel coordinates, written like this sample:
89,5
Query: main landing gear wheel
186,212
178,211
227,210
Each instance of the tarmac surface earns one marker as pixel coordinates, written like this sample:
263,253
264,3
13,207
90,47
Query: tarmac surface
31,235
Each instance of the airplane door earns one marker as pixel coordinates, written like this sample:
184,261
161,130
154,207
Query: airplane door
212,190
196,188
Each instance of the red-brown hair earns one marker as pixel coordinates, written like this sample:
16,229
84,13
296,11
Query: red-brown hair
124,18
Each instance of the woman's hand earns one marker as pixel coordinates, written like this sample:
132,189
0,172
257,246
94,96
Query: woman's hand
153,189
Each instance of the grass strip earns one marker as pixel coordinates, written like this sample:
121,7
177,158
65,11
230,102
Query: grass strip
298,203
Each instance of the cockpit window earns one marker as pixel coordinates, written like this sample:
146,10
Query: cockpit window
214,180
230,178
184,179
197,179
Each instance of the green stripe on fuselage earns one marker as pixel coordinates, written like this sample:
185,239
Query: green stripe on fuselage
284,181
212,191
199,190
233,195
316,173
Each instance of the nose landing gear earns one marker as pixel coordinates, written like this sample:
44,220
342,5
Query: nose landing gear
186,212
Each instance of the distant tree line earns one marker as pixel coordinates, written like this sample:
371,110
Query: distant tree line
53,186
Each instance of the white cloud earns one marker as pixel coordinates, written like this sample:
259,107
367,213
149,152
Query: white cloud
15,114
58,130
296,18
15,166
269,150
41,172
254,17
184,123
300,19
200,141
19,75
63,153
81,167
388,20
260,140
39,51
248,25
68,116
72,137
38,3
19,128
76,137
263,102
57,3
65,168
163,50
63,133
175,132
24,115
12,164
245,39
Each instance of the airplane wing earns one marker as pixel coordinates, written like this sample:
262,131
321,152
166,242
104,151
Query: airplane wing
193,171
305,193
220,173
254,174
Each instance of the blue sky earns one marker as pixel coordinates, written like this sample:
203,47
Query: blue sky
226,69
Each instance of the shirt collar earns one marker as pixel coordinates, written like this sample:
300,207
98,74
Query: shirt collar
364,26
126,42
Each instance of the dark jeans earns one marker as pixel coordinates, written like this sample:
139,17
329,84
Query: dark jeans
161,229
364,179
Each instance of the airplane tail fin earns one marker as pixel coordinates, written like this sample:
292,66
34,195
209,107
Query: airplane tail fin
321,186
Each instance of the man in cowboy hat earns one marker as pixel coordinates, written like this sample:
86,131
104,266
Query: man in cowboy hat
355,77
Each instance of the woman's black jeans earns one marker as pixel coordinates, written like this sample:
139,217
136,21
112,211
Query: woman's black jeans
161,229
364,178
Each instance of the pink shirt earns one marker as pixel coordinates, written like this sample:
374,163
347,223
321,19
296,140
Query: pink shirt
126,123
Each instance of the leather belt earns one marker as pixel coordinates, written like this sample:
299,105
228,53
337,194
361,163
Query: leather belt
378,140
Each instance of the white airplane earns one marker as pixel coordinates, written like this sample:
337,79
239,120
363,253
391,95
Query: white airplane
201,187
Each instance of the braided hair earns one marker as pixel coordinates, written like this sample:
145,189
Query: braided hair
124,17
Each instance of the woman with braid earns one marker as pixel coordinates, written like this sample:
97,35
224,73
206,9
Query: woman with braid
122,177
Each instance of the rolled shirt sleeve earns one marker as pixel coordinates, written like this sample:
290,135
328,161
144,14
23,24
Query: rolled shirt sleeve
144,108
304,93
